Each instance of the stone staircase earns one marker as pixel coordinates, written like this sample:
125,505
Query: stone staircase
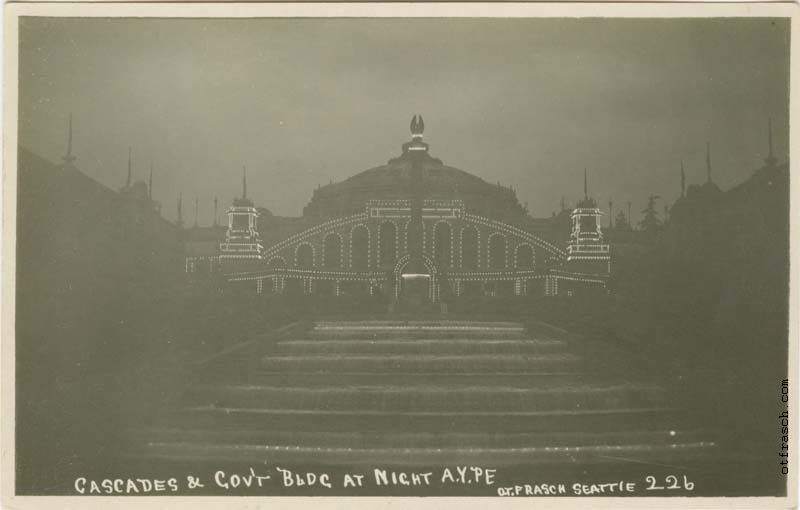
394,393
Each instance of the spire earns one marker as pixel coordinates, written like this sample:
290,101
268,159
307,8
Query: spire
610,213
770,160
630,220
128,180
244,182
585,185
215,210
150,183
708,161
180,209
562,203
196,209
683,181
68,157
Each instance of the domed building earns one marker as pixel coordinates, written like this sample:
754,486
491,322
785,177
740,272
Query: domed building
414,219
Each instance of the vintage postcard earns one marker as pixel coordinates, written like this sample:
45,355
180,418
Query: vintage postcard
256,253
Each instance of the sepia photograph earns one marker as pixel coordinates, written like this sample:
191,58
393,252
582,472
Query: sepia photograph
398,251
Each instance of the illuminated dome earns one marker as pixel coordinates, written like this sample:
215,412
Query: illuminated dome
392,181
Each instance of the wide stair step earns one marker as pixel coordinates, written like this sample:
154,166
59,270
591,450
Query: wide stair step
423,363
430,325
426,398
425,450
430,421
419,346
484,378
413,329
417,440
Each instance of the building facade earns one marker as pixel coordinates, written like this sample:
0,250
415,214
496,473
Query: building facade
465,236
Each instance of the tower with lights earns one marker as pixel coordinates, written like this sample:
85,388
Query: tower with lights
586,251
242,240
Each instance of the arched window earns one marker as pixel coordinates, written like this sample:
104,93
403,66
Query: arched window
524,257
497,252
388,243
304,258
441,243
359,248
469,248
332,251
277,262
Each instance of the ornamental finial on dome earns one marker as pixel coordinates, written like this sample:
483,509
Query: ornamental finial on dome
416,145
417,126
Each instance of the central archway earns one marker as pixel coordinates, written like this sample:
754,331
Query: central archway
433,294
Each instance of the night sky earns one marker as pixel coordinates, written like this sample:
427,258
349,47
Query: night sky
530,103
